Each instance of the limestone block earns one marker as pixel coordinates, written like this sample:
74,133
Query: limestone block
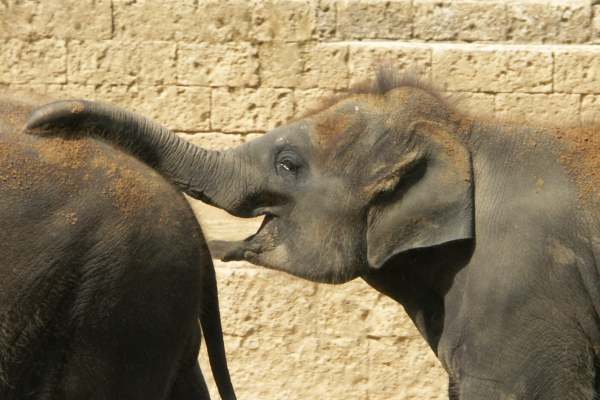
67,19
366,58
274,300
577,71
326,19
459,20
218,21
227,64
555,108
590,109
125,63
374,19
493,69
250,110
73,91
186,20
595,24
325,67
151,19
41,61
404,368
343,310
281,64
177,107
303,65
575,20
283,20
308,100
183,108
549,21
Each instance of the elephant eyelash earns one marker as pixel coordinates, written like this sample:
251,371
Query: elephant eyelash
287,163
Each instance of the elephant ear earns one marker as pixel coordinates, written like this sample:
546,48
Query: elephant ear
425,200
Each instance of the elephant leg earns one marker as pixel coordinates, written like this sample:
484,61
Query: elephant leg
98,371
190,385
130,344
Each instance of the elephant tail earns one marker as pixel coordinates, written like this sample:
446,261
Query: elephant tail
210,321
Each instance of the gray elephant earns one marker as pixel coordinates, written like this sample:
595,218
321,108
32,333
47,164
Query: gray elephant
104,274
488,234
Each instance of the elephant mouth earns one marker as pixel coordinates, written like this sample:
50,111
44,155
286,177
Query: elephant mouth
250,249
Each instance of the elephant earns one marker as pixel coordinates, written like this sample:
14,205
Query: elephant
486,232
102,288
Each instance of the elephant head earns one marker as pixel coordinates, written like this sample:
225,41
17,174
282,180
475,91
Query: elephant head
382,171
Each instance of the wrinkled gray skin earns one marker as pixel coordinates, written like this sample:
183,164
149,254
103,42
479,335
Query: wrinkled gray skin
101,290
487,239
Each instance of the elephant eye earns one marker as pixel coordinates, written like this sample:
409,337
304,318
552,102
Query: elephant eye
287,164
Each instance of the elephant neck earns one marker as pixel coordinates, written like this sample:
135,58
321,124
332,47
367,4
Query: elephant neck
421,280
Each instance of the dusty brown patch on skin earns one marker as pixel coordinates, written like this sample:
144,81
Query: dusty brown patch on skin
68,154
577,148
330,126
17,168
455,151
133,191
581,158
24,166
72,164
130,189
343,122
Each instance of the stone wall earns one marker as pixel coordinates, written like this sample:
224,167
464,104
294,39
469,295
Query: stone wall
220,72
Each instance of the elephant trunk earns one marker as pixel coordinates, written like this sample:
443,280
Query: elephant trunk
211,176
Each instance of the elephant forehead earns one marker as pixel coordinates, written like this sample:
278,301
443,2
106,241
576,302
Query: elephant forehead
343,122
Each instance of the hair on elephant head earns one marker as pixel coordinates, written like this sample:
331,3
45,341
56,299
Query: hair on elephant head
380,171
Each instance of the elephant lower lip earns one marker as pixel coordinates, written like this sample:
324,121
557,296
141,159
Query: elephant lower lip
240,250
